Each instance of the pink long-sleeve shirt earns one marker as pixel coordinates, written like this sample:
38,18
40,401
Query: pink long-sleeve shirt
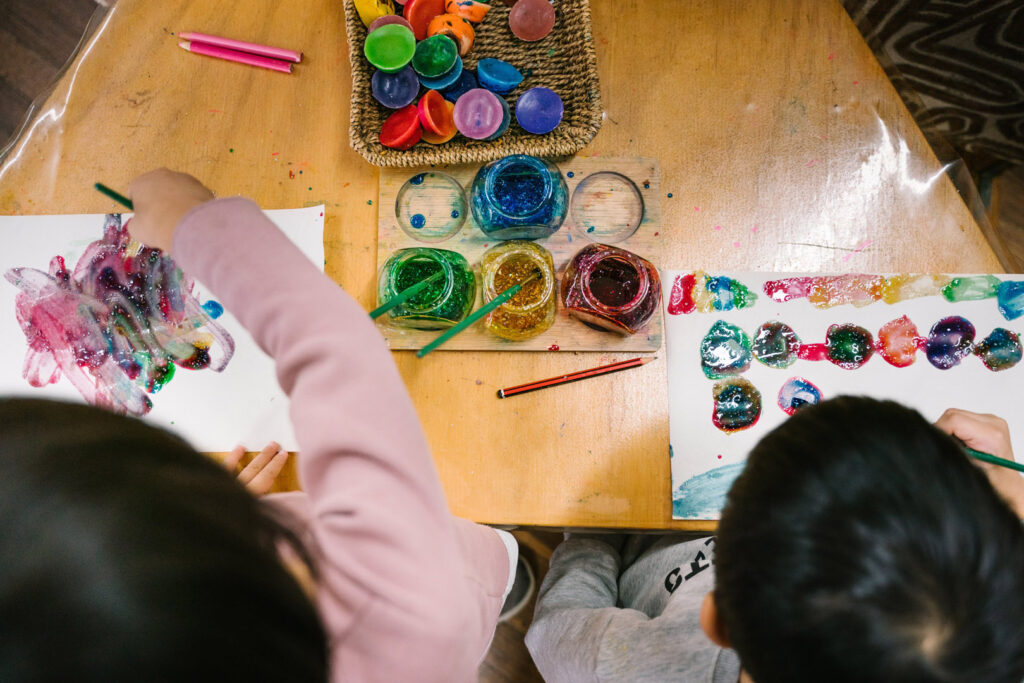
407,592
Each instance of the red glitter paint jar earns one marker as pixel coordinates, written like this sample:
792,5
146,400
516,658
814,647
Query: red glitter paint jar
611,288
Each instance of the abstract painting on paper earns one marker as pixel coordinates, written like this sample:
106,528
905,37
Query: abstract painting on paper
748,350
86,314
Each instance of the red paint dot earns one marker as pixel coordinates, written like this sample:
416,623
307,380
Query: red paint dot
719,456
553,347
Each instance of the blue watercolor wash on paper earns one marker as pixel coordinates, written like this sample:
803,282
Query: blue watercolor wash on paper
703,496
1010,298
213,309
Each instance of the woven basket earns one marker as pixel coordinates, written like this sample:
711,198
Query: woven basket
563,61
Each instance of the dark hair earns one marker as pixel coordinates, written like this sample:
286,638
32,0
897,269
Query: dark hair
127,556
860,544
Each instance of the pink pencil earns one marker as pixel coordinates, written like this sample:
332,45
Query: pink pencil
235,56
242,46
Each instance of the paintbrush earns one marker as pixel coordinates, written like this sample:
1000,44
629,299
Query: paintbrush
477,314
992,459
404,295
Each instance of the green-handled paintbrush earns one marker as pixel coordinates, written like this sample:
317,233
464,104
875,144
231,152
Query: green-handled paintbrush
477,314
404,295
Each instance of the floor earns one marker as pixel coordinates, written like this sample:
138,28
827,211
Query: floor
36,38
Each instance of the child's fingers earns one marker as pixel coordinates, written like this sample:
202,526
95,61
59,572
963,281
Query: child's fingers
259,462
232,459
264,480
988,433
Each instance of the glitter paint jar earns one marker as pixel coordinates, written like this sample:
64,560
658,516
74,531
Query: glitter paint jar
532,310
519,198
611,288
443,302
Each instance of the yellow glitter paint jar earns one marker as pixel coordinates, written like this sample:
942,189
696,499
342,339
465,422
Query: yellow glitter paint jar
532,310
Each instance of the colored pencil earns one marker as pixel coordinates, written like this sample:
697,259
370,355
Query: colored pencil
236,56
116,196
994,460
403,296
242,46
476,315
574,377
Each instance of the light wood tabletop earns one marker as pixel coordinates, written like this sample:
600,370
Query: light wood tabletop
782,147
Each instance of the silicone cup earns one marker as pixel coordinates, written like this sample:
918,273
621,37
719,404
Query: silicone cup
465,83
390,47
435,56
445,80
478,114
506,120
468,9
402,129
432,111
531,20
389,19
456,28
420,12
395,90
497,76
449,124
539,110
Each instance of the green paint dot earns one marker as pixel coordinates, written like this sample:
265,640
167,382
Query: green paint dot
231,149
311,189
369,201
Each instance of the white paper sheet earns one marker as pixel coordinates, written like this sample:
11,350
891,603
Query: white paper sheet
705,460
213,411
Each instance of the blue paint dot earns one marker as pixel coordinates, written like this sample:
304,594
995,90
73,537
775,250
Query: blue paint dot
670,195
647,186
455,214
571,174
417,179
213,309
590,229
417,220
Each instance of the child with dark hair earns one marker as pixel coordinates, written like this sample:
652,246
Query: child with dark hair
859,544
127,556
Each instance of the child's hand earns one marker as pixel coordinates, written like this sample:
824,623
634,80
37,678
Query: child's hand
259,475
989,434
161,199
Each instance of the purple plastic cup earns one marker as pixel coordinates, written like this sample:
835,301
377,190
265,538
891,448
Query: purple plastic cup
539,110
395,90
478,114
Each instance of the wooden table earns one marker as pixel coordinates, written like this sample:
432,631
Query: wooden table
772,120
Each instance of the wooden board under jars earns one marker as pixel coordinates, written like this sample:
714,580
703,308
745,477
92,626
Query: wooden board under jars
567,334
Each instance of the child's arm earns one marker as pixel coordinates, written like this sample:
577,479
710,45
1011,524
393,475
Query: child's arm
391,592
989,434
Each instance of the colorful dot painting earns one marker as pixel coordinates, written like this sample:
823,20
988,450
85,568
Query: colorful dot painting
702,293
117,323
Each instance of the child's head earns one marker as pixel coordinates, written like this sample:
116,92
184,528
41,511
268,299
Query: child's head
127,556
860,544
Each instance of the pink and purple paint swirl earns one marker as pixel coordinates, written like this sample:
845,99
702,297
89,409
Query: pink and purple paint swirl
117,324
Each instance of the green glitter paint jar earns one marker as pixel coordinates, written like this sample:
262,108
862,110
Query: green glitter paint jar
440,304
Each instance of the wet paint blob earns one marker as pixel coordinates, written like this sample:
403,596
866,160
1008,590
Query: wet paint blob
798,393
973,288
117,324
737,404
417,220
1010,299
898,342
848,346
724,351
213,309
950,340
681,299
1000,350
775,344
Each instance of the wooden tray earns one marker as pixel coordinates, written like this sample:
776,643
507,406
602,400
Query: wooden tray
567,334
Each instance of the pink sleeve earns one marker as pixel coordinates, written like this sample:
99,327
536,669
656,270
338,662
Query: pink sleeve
393,592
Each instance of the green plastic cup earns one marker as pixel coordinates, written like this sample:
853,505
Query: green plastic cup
390,47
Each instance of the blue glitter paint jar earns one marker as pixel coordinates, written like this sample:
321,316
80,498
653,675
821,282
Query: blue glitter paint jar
519,198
